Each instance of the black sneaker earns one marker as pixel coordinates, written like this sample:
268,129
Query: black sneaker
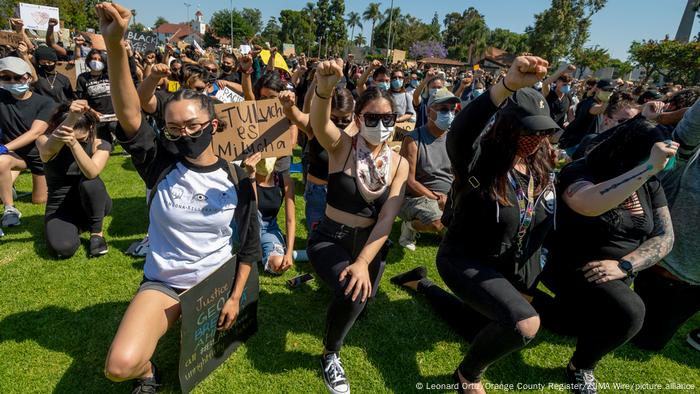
417,273
581,381
334,374
98,246
694,339
148,385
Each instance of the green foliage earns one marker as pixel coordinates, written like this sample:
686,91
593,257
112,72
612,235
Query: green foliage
220,23
353,21
508,41
593,58
210,40
337,33
359,40
254,17
297,27
271,33
372,14
159,21
562,29
405,30
465,35
137,27
622,69
676,61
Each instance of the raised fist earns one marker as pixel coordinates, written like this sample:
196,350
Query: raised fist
526,71
114,20
328,73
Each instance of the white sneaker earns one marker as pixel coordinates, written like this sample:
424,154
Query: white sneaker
408,236
11,217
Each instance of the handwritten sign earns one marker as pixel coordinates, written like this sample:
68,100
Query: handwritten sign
142,42
228,96
68,70
36,17
10,38
288,50
402,129
202,347
398,55
252,126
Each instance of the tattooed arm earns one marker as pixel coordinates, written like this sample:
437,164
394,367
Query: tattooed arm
658,246
589,199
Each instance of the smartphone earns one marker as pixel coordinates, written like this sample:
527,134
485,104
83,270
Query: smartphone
297,281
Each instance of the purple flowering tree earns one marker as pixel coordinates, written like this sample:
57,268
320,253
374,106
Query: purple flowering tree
421,49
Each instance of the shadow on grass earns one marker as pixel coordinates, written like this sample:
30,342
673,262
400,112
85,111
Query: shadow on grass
85,336
129,217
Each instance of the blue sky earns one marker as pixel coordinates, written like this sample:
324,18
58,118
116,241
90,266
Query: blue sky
614,28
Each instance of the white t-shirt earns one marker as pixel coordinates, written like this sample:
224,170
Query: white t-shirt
190,229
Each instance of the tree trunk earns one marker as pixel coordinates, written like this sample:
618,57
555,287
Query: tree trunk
371,37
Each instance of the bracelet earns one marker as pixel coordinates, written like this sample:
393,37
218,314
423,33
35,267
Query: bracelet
319,96
506,86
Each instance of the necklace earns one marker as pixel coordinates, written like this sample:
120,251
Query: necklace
52,82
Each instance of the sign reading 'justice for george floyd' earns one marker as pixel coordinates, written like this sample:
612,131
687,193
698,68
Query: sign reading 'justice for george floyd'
251,127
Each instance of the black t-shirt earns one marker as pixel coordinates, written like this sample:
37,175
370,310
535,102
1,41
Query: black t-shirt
581,126
95,89
234,76
270,198
579,240
55,86
558,108
17,116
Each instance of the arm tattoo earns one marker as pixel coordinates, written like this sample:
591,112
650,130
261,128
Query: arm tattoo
571,190
629,178
658,246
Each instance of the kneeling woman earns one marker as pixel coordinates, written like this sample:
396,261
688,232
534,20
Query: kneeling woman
195,199
366,182
613,223
73,158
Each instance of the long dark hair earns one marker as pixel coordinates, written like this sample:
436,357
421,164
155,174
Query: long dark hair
626,146
501,143
371,94
87,121
342,100
205,102
270,80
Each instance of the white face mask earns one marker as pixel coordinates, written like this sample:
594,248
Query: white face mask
377,134
96,65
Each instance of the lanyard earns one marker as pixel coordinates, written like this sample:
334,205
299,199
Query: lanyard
526,206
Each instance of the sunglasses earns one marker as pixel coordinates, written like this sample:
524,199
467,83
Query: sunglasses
17,78
372,120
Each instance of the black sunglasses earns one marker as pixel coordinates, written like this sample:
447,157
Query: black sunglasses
372,120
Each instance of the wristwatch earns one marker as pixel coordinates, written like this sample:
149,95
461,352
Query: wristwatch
627,267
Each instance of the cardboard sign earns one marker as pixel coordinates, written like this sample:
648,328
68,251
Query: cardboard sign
228,96
289,50
404,128
36,17
68,70
202,347
399,55
80,67
10,38
142,42
252,126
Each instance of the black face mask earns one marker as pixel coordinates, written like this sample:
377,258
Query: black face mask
226,69
48,69
193,147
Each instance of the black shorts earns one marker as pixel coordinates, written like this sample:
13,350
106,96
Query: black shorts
161,287
32,159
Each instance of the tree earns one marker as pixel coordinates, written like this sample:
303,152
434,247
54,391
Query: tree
139,27
622,68
210,41
220,23
353,21
159,21
465,34
323,21
405,30
337,33
593,58
372,14
359,40
271,33
297,27
422,49
676,61
507,40
434,28
75,14
562,29
254,17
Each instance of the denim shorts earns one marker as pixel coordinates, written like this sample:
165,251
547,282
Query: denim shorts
271,241
422,208
315,197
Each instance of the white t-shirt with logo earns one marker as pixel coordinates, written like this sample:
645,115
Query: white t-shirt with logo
190,227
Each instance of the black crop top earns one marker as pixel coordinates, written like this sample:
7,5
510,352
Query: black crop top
318,160
270,198
343,195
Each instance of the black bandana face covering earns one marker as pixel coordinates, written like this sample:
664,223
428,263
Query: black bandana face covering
193,147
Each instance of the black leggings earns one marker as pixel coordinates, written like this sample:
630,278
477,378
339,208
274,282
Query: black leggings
487,314
331,248
602,316
669,303
78,211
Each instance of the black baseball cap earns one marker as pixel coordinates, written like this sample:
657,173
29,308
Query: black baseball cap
532,110
649,95
606,85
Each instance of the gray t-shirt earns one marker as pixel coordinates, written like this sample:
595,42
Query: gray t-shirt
403,103
682,187
433,167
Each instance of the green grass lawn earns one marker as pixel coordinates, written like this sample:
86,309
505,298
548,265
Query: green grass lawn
57,319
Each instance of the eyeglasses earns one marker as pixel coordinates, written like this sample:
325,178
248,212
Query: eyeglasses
193,130
372,120
16,78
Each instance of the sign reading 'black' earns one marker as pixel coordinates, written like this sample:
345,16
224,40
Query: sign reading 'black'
142,42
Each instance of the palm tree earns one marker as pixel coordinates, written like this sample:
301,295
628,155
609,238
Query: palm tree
372,14
353,21
359,40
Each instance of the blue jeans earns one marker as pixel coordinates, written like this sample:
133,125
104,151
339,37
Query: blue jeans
271,241
315,197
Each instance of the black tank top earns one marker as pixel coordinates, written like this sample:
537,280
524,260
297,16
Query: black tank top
63,175
343,195
270,198
318,160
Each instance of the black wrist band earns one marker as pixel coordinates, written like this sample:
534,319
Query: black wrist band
316,91
506,86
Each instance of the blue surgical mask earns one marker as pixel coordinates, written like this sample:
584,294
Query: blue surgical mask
415,83
477,92
96,65
444,120
431,92
565,89
16,88
396,84
383,86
